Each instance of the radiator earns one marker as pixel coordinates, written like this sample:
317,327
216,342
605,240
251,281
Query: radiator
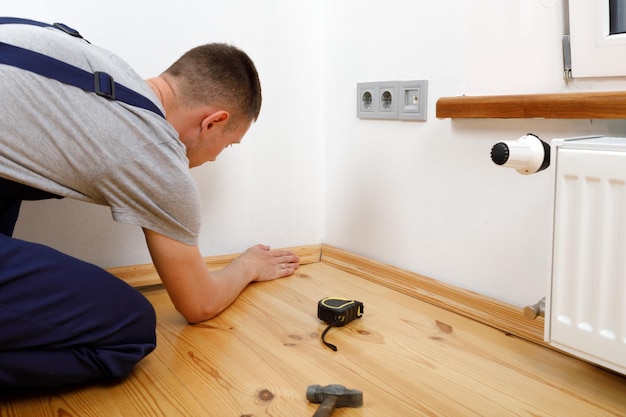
585,311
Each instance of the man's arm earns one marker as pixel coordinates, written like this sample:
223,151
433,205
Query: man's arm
199,294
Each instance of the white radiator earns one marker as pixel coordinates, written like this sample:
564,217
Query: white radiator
586,301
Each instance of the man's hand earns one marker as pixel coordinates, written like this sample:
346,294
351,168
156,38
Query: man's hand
265,264
199,295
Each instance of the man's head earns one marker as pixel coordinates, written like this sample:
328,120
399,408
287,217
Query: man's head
218,86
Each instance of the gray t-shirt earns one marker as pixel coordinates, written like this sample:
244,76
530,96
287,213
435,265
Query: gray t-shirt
61,139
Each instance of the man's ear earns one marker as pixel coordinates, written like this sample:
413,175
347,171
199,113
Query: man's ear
213,118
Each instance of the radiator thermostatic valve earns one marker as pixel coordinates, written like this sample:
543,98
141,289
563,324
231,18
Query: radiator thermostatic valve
527,155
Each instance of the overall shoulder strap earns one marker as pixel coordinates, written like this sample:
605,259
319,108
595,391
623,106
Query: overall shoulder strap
19,20
60,26
98,82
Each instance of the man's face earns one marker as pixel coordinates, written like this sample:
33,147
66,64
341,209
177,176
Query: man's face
229,138
213,142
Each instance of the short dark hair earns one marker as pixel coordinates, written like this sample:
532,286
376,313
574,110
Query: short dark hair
219,74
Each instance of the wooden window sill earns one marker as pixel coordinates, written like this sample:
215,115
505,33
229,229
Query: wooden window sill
596,105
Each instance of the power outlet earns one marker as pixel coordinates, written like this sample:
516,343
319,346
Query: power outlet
413,97
367,100
396,100
388,100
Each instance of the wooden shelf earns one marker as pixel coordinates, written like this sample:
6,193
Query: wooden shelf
597,105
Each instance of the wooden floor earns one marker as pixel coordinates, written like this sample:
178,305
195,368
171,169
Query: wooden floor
408,358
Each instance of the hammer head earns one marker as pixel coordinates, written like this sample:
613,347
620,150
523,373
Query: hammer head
345,397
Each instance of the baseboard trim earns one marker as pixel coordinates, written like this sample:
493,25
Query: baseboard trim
145,275
502,316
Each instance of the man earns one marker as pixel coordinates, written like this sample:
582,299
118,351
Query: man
64,321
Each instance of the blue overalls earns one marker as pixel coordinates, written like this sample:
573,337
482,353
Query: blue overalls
63,321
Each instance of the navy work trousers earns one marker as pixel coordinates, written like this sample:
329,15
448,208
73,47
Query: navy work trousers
63,321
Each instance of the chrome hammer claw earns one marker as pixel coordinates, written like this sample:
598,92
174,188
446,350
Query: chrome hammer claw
331,397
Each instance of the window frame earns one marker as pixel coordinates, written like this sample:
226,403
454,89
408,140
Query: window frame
594,51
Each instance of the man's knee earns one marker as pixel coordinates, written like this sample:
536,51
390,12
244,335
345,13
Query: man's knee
120,352
127,332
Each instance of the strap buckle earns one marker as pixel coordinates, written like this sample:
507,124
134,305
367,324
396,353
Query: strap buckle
104,85
65,28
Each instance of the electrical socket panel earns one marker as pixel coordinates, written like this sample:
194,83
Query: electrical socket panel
394,100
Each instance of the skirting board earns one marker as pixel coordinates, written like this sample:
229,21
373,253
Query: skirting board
502,316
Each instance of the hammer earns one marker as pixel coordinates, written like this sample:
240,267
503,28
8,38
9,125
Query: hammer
331,397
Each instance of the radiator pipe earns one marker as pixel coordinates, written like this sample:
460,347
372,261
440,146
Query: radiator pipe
534,310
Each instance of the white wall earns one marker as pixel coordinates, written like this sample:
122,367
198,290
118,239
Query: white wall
419,195
426,196
266,190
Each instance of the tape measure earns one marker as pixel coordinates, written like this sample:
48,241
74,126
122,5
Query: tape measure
337,312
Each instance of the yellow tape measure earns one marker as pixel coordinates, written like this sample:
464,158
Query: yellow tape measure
337,312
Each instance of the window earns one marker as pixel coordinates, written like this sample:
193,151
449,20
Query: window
598,37
617,17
